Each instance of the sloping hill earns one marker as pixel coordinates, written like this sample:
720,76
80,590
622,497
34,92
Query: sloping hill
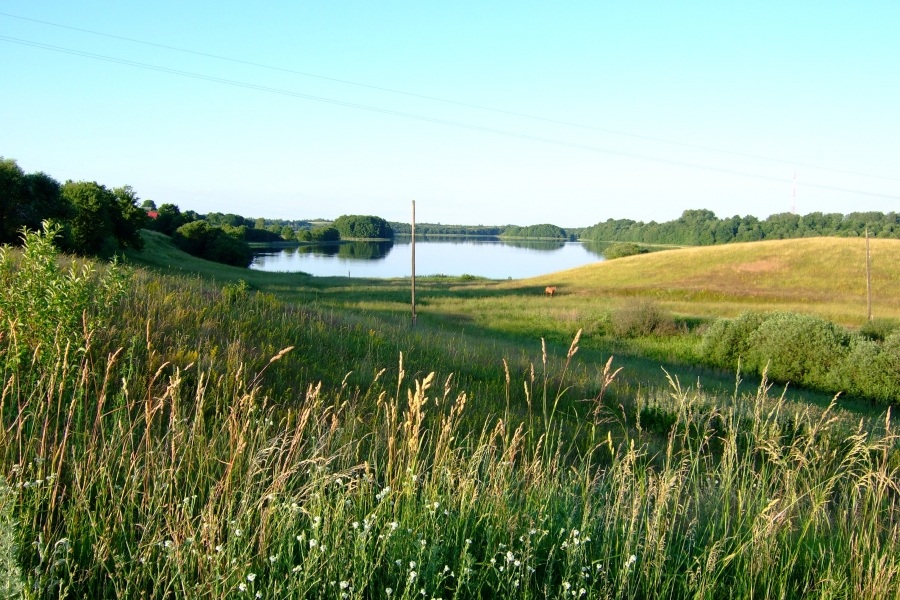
820,275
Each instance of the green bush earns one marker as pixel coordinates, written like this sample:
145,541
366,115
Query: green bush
642,319
879,329
808,351
45,305
797,348
727,341
871,370
623,250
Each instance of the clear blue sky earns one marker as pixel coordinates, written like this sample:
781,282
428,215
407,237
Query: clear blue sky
749,93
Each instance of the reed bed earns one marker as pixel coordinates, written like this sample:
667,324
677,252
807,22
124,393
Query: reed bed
133,466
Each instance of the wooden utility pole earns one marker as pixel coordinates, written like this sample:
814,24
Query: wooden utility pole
413,262
868,280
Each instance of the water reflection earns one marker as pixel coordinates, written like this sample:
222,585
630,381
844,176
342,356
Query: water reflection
365,250
597,248
483,257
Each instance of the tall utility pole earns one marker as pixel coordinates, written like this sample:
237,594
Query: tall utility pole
413,262
868,280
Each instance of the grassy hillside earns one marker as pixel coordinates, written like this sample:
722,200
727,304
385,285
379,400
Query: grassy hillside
688,286
825,276
166,436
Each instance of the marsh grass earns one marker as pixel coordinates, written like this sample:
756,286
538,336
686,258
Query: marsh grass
182,449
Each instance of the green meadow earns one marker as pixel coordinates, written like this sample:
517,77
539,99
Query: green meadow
174,428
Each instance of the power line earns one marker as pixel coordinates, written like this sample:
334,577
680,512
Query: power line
459,124
456,102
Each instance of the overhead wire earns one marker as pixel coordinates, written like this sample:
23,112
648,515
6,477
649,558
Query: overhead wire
448,122
458,103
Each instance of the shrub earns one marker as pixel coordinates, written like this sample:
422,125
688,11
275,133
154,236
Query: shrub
622,250
798,348
879,329
43,304
727,341
642,318
871,369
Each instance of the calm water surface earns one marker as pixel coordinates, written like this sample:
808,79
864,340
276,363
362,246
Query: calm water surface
484,258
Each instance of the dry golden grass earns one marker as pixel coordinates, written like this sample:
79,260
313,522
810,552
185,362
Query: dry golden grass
826,276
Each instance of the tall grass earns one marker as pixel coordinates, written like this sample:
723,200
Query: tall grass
133,475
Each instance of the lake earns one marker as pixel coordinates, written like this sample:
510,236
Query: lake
489,258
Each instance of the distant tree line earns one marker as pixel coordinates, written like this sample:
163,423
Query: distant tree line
93,219
703,228
542,231
439,229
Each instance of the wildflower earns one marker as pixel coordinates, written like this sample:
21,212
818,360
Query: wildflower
273,558
297,569
313,543
258,594
412,575
242,587
388,591
238,532
631,560
251,577
394,525
344,585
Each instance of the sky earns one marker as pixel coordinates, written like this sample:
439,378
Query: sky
488,113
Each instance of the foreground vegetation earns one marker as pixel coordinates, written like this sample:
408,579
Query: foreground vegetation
164,436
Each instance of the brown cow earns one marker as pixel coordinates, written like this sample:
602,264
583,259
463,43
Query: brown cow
550,290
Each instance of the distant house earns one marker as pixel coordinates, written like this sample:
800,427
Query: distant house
152,214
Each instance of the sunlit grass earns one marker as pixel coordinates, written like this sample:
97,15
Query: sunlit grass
183,446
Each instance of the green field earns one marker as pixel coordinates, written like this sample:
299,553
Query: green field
185,429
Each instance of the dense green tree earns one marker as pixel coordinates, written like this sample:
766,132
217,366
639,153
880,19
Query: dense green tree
105,221
231,219
363,227
262,236
325,234
148,205
210,242
27,201
169,218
